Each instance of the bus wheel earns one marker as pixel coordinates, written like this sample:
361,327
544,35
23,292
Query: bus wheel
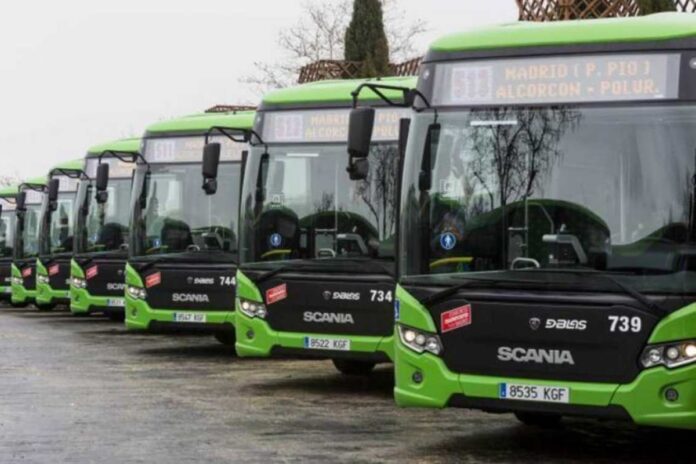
545,421
348,367
45,307
19,305
227,338
116,316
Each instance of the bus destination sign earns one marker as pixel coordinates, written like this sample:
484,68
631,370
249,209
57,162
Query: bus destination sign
315,126
562,79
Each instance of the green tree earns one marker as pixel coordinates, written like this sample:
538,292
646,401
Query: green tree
366,40
655,6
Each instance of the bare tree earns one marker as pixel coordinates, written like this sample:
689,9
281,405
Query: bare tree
9,179
320,35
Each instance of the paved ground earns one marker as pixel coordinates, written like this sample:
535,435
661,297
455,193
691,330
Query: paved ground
85,390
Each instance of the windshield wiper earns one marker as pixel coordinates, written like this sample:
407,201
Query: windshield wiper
470,282
306,264
627,289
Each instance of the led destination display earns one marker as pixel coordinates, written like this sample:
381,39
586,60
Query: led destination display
564,79
326,125
117,169
189,149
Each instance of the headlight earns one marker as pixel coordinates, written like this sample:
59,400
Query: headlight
78,283
43,279
669,354
252,308
420,341
136,292
17,281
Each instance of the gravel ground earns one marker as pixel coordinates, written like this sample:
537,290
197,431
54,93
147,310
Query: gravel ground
76,390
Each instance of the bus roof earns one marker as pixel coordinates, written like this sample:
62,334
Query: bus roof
337,91
72,165
129,144
36,180
656,27
8,191
203,122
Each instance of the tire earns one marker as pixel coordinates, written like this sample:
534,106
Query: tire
116,316
354,368
19,305
544,421
227,338
45,307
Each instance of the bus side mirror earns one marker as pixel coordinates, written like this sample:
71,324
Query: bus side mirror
432,141
211,161
21,201
360,125
53,187
102,183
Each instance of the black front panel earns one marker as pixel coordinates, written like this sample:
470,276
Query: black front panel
573,339
105,277
348,305
58,273
191,287
5,272
27,268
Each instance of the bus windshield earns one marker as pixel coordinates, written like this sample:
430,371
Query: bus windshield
7,228
173,214
61,226
106,224
29,232
299,203
519,189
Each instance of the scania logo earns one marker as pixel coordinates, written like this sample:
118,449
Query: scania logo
331,318
115,286
535,323
345,296
190,298
533,355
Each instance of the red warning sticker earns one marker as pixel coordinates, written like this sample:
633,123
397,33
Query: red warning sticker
91,272
276,294
53,270
26,272
455,318
153,279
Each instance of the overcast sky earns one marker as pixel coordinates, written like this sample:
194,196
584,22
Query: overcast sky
79,72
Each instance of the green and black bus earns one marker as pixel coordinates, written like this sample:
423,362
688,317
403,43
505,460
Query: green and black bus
548,223
97,279
56,235
8,199
26,241
317,273
183,254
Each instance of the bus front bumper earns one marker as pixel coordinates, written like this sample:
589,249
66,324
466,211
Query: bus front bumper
255,338
47,295
21,295
423,380
140,316
83,302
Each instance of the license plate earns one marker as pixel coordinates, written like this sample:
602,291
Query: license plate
190,317
116,302
540,393
335,344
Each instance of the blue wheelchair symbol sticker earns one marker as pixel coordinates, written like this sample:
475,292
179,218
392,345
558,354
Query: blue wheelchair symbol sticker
448,240
275,240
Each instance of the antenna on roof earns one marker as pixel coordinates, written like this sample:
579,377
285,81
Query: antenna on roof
230,108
